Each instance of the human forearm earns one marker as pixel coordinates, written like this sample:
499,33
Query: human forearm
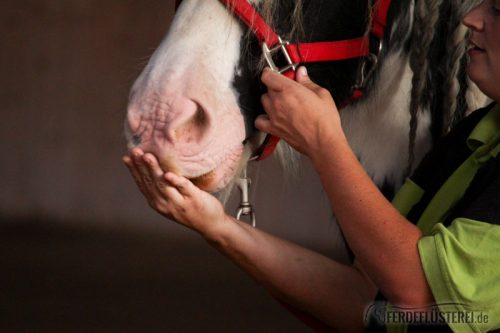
305,115
298,276
384,242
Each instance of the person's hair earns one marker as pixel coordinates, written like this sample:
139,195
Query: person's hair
439,81
426,17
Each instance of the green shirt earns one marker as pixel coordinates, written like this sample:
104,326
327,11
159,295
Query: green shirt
461,261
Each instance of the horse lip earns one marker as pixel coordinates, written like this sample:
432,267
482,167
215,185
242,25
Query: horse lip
207,179
202,180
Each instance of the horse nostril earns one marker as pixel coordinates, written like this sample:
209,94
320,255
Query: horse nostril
195,128
133,140
131,128
136,139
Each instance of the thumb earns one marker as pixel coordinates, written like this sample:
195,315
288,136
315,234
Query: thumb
303,78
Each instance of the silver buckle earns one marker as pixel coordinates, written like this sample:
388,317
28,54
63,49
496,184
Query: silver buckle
270,52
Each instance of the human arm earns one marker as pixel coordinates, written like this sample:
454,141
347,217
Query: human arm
330,291
384,242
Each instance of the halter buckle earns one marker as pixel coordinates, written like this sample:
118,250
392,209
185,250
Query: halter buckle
278,50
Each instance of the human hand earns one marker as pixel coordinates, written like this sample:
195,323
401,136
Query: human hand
302,113
173,196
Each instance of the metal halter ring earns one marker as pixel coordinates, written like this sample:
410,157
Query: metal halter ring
270,52
367,68
246,210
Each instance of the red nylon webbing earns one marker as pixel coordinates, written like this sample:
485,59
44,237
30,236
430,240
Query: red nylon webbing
245,11
329,51
308,52
380,18
302,52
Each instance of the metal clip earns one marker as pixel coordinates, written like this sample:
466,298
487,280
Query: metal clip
245,208
270,52
365,72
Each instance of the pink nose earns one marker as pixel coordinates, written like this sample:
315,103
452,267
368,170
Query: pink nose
189,124
183,124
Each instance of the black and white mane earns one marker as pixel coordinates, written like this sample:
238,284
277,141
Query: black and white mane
419,79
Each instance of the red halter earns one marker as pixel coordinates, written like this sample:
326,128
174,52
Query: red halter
302,53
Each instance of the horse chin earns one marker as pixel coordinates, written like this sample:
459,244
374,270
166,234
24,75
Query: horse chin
218,178
206,182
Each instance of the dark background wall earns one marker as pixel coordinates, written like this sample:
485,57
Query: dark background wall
66,70
75,232
67,67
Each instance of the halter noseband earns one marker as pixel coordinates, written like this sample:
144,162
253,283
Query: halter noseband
302,53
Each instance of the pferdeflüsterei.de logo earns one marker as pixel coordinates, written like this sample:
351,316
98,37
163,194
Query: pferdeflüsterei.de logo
382,313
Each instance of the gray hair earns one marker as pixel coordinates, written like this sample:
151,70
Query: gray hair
429,14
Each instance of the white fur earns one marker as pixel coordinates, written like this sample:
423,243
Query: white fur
195,63
196,48
377,127
199,58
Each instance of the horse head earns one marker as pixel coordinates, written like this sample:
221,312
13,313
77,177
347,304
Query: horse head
194,104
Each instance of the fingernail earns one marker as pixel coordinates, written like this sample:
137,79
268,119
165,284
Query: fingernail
302,70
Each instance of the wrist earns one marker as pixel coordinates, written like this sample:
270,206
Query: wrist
219,230
332,144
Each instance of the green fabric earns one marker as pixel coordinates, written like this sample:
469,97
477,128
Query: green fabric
409,195
454,188
461,264
484,139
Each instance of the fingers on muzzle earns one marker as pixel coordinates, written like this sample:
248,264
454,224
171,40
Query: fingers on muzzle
155,172
182,184
137,176
164,193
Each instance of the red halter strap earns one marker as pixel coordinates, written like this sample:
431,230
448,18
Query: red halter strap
296,53
303,53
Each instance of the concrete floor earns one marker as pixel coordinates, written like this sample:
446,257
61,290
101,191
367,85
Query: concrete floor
61,278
